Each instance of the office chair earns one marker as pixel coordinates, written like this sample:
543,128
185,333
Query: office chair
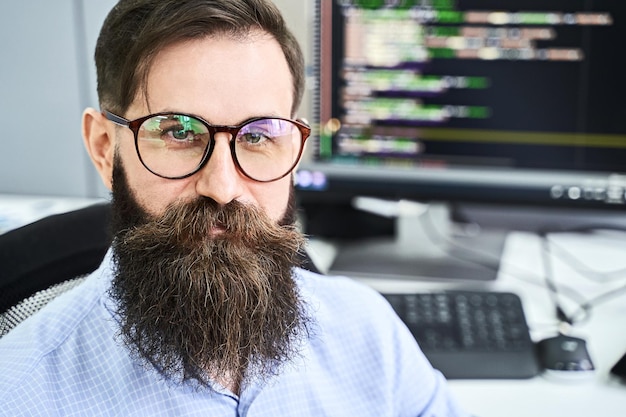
42,260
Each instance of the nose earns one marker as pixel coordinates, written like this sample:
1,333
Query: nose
220,179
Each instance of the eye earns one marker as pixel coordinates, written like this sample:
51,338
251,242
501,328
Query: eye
181,128
179,133
259,132
254,138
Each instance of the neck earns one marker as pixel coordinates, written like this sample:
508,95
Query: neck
230,383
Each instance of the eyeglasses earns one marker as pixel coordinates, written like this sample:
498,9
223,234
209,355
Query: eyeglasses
175,146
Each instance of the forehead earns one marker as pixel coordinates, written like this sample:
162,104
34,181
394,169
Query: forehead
219,76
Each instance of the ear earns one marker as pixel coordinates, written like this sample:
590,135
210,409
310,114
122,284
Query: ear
99,138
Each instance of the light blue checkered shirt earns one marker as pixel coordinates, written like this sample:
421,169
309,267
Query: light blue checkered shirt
361,361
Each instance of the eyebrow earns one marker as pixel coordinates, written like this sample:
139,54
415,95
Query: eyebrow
268,115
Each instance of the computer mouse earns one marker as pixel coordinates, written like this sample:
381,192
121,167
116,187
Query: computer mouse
619,369
565,356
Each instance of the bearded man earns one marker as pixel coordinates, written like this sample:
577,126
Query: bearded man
200,307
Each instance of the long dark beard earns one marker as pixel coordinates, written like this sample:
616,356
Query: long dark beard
199,307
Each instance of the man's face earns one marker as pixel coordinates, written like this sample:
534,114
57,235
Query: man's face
226,82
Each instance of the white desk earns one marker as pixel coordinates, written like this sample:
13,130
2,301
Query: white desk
521,272
19,210
605,331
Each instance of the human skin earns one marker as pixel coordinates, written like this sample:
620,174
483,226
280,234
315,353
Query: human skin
225,81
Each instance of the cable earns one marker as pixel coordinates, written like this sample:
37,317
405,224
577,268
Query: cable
433,234
584,306
601,298
551,284
586,271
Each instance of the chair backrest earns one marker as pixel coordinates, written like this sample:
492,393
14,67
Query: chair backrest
45,258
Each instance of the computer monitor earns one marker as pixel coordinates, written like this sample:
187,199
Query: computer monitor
459,101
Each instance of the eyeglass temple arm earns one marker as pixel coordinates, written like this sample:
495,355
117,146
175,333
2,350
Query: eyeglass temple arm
116,119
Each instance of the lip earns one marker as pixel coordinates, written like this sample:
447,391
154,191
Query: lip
217,230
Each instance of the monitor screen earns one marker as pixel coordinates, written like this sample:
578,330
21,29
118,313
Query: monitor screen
517,102
462,99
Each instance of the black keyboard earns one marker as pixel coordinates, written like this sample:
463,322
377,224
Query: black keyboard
470,334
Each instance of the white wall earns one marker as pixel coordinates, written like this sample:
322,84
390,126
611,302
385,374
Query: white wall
47,78
300,15
43,89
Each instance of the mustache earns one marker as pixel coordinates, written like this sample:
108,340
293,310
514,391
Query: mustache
202,220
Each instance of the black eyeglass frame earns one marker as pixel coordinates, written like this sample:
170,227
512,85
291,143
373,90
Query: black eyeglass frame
233,130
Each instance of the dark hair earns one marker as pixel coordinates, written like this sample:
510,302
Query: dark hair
136,30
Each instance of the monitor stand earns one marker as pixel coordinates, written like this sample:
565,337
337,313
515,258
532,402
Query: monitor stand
427,246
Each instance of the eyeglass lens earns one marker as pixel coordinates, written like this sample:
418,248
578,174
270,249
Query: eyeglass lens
174,146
